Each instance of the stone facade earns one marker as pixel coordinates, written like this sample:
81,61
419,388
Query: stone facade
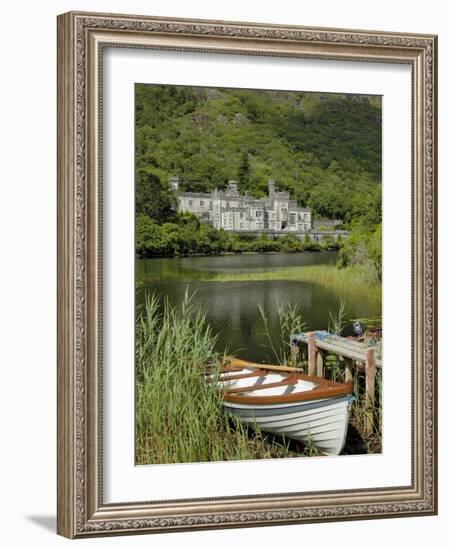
231,211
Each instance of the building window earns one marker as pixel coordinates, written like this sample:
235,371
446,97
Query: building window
201,203
258,213
190,203
241,215
292,219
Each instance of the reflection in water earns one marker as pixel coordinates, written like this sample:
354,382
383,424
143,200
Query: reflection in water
233,307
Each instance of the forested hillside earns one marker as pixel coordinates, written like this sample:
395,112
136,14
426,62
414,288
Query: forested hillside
323,148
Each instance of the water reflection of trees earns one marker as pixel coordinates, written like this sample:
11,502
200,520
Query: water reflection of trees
233,307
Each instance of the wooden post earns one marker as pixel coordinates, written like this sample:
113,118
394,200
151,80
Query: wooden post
294,349
311,343
358,366
320,363
370,378
348,369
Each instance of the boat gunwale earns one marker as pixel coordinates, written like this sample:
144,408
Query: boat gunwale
324,388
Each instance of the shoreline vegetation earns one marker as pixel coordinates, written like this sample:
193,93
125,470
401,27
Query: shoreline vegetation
179,418
325,275
361,278
187,236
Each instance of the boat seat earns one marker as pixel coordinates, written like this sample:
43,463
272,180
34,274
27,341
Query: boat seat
258,372
289,380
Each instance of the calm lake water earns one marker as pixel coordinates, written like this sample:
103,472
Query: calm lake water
233,307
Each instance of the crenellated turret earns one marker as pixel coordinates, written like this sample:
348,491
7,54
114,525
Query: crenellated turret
174,183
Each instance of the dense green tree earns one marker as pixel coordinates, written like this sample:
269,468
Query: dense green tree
153,197
363,248
244,171
148,237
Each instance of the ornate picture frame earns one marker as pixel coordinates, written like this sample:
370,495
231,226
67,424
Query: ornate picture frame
82,38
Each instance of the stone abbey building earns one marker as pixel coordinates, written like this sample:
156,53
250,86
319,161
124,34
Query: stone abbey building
231,211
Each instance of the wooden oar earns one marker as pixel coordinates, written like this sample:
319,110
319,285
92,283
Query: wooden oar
278,368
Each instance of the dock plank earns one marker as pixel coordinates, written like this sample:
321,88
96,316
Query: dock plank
339,345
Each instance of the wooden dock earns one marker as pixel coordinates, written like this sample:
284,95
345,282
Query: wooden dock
354,354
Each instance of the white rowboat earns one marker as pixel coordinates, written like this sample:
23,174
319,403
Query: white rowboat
283,402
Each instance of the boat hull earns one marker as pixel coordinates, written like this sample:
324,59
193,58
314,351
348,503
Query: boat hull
322,423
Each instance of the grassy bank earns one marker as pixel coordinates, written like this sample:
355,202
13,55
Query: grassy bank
330,276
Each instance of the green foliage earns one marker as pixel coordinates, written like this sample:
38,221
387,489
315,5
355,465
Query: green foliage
325,149
154,198
375,250
244,171
148,236
363,248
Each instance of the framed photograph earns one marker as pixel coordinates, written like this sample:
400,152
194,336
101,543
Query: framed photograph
246,274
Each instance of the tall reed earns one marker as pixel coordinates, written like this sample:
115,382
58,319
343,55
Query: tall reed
179,416
291,321
335,325
337,320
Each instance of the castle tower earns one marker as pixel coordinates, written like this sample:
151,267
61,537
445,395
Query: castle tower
271,188
174,183
232,189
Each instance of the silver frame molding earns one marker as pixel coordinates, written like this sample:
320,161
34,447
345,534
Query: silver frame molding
81,38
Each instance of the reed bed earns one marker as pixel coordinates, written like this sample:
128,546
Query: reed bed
329,276
179,417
